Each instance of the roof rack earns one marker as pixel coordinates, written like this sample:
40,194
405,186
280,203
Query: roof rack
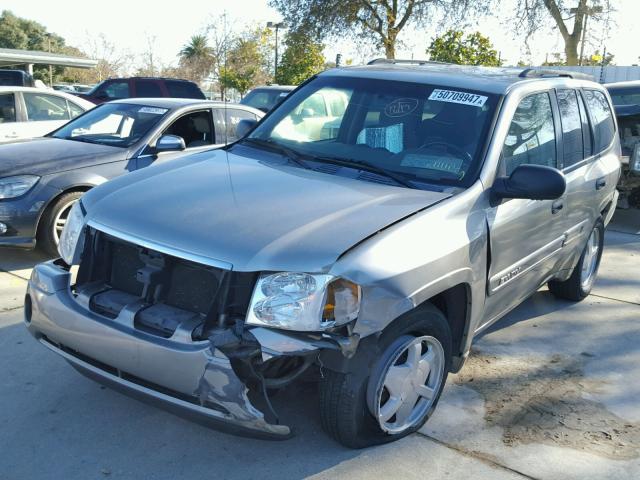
394,61
544,73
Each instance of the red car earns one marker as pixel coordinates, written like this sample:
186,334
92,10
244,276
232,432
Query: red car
118,88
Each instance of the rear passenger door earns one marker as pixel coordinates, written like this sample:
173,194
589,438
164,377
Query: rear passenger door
525,236
8,117
588,161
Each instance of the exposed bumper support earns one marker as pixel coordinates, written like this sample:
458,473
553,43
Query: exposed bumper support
186,377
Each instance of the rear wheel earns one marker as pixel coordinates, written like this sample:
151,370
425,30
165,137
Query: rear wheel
53,221
397,395
579,284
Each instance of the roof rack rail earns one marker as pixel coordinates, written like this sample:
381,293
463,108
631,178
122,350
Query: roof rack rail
394,61
543,73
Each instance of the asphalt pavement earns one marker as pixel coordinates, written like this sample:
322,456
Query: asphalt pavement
550,392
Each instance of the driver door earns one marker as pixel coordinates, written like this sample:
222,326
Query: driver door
525,236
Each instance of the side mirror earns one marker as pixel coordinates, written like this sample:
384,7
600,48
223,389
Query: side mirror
634,160
532,182
245,126
170,143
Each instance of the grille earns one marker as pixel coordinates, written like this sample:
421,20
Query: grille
161,291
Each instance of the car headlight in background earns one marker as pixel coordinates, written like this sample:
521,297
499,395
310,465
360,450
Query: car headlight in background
303,301
71,234
11,187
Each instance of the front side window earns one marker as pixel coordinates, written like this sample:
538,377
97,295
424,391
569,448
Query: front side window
116,124
196,129
603,125
531,139
114,90
7,108
572,144
44,107
422,133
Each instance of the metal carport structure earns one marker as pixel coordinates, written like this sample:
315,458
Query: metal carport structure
28,58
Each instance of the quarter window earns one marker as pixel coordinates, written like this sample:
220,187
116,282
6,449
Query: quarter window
603,126
43,107
7,108
531,137
572,144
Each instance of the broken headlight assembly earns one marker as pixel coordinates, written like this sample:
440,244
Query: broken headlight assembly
303,301
73,228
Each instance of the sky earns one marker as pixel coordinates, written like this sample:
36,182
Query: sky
129,24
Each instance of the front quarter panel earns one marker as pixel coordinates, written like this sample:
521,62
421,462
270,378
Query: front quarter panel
419,257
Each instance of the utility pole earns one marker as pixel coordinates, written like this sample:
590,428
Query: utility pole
589,12
277,26
50,67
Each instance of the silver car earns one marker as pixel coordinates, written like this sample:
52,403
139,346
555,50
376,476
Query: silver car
365,246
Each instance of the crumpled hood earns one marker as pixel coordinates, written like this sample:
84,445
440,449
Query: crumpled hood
42,156
254,214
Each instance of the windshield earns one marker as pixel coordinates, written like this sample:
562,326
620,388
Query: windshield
625,96
116,124
264,99
421,132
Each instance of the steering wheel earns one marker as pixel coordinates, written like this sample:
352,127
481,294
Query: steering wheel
466,156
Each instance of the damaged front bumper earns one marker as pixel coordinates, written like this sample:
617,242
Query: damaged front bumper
191,378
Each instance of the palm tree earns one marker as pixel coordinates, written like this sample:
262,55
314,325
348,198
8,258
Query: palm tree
197,49
197,57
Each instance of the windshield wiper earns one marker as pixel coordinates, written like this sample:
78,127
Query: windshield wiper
289,153
362,165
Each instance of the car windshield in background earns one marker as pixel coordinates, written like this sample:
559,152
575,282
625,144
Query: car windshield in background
417,132
264,99
116,124
625,96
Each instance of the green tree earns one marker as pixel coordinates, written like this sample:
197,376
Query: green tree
197,58
454,47
246,65
302,58
379,20
570,20
23,34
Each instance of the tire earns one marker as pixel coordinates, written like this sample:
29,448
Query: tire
47,238
347,399
578,286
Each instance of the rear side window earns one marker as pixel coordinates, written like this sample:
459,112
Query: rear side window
603,125
183,89
7,108
232,118
148,88
587,136
74,109
573,151
531,138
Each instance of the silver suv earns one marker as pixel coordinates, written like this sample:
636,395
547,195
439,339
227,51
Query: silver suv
437,199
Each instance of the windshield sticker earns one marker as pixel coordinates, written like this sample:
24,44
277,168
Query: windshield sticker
463,98
154,110
443,164
400,107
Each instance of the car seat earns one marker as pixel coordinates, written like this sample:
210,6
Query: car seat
200,132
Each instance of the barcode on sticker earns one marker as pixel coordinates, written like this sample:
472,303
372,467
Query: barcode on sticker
453,96
154,110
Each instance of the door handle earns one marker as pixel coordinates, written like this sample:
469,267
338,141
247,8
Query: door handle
601,183
557,206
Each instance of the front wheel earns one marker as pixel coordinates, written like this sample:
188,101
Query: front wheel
397,395
581,281
53,221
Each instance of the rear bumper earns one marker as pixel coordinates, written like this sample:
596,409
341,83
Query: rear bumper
189,378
